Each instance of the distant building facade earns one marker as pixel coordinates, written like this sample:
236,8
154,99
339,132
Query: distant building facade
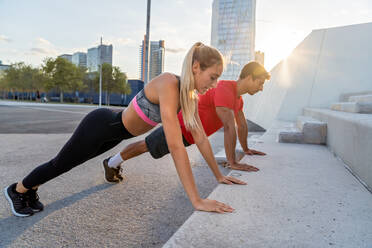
233,33
156,64
99,55
3,67
79,59
66,56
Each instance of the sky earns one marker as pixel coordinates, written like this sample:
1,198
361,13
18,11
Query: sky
30,31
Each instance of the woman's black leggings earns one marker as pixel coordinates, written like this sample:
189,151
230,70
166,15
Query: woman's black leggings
98,132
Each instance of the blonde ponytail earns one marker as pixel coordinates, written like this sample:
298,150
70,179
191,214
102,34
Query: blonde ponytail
206,56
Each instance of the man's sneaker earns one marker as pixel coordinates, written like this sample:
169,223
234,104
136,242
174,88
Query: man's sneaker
18,202
33,200
112,175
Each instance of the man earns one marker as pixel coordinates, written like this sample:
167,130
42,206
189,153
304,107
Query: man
219,107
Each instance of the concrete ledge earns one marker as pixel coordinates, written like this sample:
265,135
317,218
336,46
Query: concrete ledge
349,136
302,197
361,98
346,97
291,137
314,131
353,107
307,131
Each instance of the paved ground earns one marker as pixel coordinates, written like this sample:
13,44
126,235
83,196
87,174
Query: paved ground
40,118
81,209
303,196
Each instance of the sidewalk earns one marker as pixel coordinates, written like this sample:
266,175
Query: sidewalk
52,104
302,196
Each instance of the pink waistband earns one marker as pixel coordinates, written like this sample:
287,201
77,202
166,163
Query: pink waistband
141,114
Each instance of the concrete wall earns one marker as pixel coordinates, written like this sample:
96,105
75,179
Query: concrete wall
327,64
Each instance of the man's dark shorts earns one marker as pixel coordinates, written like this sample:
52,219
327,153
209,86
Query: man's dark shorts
157,144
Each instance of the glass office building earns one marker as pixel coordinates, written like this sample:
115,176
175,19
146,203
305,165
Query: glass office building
99,55
233,33
156,65
79,59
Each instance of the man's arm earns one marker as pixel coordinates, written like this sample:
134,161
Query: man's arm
226,116
242,130
202,142
243,134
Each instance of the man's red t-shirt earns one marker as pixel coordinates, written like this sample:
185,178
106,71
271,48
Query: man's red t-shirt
224,95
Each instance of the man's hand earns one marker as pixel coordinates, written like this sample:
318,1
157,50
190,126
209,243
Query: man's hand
239,166
254,152
230,180
242,167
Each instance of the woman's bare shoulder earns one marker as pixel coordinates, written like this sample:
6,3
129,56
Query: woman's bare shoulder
167,77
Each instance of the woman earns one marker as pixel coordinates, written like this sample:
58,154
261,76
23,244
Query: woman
159,101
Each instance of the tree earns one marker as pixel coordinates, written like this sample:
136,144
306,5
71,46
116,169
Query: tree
3,84
13,77
62,75
32,79
22,78
77,82
113,81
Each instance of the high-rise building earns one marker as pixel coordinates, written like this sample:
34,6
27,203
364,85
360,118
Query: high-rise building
79,59
233,33
156,65
260,57
66,56
97,56
3,67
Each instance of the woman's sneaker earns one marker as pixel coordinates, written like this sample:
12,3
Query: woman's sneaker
112,175
18,202
33,201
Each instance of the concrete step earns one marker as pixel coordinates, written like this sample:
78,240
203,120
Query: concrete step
293,136
349,136
314,131
361,98
301,197
353,107
308,131
220,156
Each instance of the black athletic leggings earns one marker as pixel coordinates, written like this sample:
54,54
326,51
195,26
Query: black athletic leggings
98,132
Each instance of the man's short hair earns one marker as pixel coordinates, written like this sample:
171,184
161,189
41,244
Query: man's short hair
256,70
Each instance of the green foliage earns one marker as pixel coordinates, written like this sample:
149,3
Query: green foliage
23,78
63,76
113,81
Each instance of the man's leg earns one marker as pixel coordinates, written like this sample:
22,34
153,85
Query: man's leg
134,150
155,143
111,165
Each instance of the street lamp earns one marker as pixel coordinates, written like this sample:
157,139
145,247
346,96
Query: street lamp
100,74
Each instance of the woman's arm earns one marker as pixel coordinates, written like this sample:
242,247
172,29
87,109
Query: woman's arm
169,102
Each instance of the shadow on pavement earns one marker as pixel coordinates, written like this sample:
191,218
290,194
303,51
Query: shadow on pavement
15,226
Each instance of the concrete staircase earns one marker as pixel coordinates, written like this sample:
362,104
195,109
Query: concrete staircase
356,104
307,131
346,128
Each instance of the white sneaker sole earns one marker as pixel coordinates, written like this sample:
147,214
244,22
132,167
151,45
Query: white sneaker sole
11,204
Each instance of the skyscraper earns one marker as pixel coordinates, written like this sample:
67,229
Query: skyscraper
3,67
66,56
233,33
156,65
98,55
79,59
